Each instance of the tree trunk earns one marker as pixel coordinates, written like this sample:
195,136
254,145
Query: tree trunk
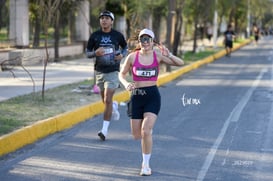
157,23
170,20
2,5
178,28
36,39
128,29
56,37
45,62
71,37
231,15
195,35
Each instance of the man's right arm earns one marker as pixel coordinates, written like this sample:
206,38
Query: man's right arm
90,52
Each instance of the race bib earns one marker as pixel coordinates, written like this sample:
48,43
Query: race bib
108,50
146,72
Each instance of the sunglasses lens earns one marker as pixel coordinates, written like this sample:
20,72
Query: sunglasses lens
145,39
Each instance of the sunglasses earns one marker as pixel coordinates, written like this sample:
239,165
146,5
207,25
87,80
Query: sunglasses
145,39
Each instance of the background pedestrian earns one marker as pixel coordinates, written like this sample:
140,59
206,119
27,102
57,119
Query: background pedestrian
256,33
229,35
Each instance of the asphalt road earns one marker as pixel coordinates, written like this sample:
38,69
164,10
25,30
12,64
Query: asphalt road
215,124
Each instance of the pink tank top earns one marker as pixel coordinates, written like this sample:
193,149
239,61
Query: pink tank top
145,72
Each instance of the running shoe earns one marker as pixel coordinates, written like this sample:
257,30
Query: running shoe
101,135
145,171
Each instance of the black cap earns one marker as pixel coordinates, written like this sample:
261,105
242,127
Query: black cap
107,13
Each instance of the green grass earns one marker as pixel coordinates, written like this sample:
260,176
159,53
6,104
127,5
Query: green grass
7,125
3,35
238,41
24,110
190,57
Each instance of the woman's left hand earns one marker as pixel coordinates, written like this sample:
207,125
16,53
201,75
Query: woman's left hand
164,50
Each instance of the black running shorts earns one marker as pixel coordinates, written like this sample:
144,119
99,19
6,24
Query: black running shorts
143,100
229,44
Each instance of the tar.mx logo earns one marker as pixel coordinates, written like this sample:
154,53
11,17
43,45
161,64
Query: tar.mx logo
189,100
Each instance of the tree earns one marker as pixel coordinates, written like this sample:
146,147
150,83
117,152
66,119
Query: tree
261,11
170,21
159,11
63,11
3,11
48,11
178,26
57,33
197,17
36,21
170,29
137,15
67,18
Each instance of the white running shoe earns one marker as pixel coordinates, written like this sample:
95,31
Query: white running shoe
115,113
145,171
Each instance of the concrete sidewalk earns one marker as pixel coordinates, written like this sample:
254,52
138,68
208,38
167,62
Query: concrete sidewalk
57,74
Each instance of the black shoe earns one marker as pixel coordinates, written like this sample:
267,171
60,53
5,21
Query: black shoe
101,135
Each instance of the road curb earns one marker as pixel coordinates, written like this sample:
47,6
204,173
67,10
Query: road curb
30,134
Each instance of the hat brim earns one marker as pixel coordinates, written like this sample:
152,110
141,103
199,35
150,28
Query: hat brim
146,32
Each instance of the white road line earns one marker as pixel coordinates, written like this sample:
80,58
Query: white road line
233,117
267,147
269,133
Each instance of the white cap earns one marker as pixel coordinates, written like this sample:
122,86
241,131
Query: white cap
146,32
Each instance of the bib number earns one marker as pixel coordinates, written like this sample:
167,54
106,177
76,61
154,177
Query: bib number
146,73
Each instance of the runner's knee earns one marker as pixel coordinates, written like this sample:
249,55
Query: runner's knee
136,135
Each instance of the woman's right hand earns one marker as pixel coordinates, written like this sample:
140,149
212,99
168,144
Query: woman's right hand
130,86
